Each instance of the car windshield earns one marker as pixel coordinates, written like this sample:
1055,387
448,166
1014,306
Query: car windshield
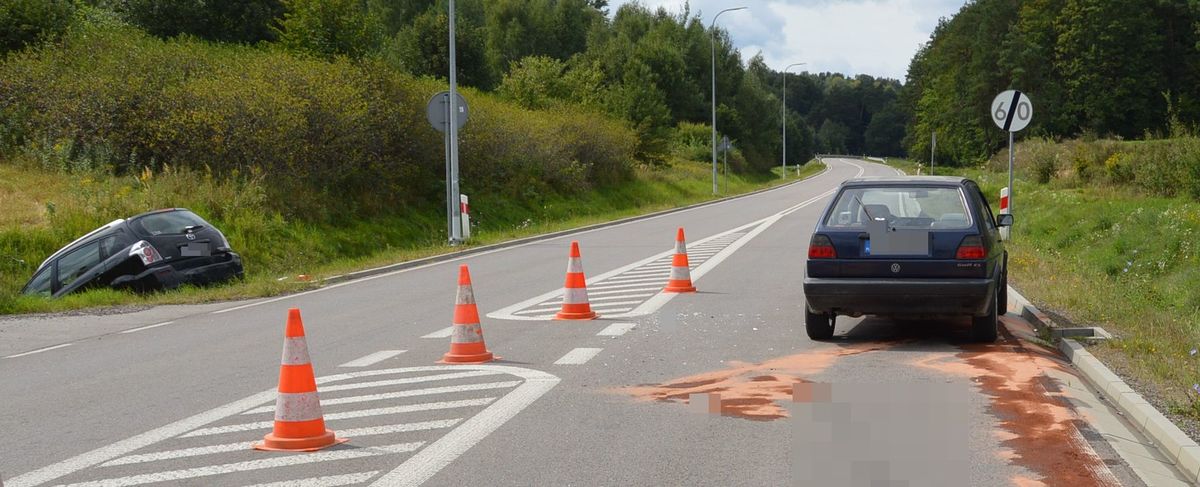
902,207
168,222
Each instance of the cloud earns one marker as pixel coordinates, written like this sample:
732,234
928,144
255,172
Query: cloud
876,37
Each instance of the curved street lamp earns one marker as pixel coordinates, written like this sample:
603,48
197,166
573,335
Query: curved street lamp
713,44
783,157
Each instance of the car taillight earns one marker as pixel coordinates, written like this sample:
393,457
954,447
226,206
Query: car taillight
971,248
146,252
820,247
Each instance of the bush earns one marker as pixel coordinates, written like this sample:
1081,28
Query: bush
328,137
25,22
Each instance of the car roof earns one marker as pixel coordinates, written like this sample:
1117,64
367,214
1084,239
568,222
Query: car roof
905,180
93,233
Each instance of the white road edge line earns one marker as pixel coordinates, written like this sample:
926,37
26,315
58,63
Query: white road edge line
487,252
328,481
40,350
373,358
448,447
579,356
135,330
443,333
616,329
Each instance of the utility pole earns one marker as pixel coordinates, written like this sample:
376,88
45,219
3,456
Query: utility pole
783,157
932,151
713,45
455,211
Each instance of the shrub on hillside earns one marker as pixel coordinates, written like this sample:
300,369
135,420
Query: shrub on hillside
327,136
25,22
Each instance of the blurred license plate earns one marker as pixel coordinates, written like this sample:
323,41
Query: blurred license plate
195,250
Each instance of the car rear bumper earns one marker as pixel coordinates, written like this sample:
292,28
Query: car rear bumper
223,268
900,296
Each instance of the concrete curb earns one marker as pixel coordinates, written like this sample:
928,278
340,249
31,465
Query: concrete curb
1171,440
545,236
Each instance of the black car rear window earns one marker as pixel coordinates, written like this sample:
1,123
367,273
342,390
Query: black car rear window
168,222
901,206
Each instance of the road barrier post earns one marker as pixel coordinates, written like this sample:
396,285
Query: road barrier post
464,208
1004,231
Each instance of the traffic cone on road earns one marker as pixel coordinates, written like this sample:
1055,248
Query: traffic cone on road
299,424
681,275
575,298
466,341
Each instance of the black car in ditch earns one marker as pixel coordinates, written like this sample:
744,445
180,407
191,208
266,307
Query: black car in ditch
907,247
156,250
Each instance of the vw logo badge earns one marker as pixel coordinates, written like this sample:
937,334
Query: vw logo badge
192,236
895,268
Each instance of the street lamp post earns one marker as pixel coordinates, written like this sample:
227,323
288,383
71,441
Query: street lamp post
713,44
783,156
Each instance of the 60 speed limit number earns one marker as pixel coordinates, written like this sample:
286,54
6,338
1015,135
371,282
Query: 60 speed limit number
1012,110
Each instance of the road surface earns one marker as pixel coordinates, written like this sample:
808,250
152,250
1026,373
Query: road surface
693,389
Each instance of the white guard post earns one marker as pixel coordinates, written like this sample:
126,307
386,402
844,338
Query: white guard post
465,207
1004,211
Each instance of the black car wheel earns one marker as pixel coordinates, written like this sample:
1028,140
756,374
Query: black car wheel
984,328
818,325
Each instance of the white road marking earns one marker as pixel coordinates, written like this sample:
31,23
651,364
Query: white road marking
329,481
181,453
652,272
399,428
579,356
428,461
398,394
617,329
362,413
134,330
487,252
443,333
641,279
407,380
619,286
372,359
272,462
624,291
623,296
40,350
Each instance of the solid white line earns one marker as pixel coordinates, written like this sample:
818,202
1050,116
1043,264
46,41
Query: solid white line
181,453
487,252
40,350
133,330
399,428
372,359
579,356
443,333
427,462
393,395
328,481
363,413
617,329
407,380
272,462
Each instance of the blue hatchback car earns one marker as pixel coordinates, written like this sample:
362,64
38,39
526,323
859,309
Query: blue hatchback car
907,247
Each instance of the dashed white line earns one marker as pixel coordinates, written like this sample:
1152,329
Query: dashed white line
329,481
443,333
579,356
156,325
364,413
617,329
40,350
273,462
373,358
398,394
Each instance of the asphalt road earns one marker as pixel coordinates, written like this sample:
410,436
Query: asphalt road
623,400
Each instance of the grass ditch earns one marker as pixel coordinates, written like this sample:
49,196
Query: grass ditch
46,209
1111,255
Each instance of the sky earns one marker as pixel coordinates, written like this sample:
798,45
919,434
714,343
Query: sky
875,37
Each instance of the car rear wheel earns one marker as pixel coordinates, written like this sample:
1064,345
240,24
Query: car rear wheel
984,328
818,325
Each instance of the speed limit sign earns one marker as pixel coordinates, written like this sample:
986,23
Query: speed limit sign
1012,110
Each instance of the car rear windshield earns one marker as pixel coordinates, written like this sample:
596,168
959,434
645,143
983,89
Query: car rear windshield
902,207
168,222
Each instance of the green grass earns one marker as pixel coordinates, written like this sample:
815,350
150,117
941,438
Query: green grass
1115,257
56,208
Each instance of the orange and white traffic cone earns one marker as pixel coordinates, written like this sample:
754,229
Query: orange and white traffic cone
575,298
466,341
299,424
681,275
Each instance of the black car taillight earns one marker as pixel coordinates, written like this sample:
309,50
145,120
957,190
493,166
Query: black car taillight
820,247
971,248
146,252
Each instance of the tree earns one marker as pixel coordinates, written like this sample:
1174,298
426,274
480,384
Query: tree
24,22
423,48
330,27
246,21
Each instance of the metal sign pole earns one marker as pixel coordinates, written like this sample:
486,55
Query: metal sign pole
932,152
449,188
456,217
1010,173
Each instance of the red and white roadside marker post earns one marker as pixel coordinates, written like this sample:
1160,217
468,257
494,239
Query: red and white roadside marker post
464,207
1004,211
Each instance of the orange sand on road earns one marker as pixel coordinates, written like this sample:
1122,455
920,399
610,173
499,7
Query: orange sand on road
752,391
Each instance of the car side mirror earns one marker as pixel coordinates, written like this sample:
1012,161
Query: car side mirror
1005,220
